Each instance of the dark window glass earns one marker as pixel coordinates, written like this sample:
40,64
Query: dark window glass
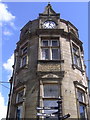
76,56
24,50
24,60
19,113
55,54
75,50
20,96
54,42
45,43
82,111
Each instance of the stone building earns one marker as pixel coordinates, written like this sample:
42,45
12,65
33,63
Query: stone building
49,62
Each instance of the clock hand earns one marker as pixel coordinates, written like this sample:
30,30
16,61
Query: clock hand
50,24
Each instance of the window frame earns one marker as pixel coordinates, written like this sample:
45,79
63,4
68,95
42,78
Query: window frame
23,54
78,61
80,104
51,85
17,96
58,55
81,88
44,45
48,98
55,45
24,50
23,61
50,47
20,103
82,97
45,55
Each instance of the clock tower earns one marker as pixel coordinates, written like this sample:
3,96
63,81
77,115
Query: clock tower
49,18
49,65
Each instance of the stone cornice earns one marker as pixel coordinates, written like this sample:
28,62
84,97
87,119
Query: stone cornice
60,73
49,31
50,61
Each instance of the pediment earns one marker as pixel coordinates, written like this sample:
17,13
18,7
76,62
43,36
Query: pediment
49,11
50,76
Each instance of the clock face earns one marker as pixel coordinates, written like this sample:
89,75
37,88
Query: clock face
49,24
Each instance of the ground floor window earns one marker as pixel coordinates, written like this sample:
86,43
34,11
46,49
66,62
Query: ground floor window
50,103
82,104
20,97
82,109
81,94
19,112
50,94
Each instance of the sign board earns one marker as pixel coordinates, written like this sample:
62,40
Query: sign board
46,108
45,115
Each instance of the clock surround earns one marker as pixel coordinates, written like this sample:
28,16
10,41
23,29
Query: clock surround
49,24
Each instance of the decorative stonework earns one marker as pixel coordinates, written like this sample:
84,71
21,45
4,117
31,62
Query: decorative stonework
50,76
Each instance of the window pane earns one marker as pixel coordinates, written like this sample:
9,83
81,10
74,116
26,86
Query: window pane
82,111
76,50
50,103
54,42
24,60
79,62
45,43
50,90
55,54
19,96
45,54
24,50
19,112
75,60
81,96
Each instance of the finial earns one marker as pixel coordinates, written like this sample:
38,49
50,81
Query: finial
48,3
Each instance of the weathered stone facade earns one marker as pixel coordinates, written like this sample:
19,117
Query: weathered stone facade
34,68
